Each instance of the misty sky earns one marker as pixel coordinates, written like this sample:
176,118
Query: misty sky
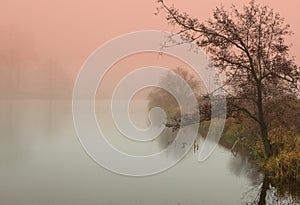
68,31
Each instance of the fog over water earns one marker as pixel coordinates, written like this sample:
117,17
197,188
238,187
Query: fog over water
42,47
42,161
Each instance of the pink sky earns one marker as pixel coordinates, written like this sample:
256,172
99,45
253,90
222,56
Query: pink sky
69,31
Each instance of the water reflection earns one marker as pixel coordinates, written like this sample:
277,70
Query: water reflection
268,193
263,190
24,122
41,161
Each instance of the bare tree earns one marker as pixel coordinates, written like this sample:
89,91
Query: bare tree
249,47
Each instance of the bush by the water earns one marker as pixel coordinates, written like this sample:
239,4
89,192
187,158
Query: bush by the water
286,162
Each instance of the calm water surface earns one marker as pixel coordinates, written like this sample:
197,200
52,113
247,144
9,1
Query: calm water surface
42,162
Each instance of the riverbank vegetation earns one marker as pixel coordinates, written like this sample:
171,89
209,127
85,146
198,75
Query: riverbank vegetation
261,81
242,137
248,47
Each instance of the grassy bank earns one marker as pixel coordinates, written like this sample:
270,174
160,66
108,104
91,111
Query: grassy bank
241,139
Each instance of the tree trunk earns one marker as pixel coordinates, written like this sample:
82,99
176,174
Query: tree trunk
262,124
265,140
263,192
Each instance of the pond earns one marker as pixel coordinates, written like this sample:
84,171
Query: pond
43,162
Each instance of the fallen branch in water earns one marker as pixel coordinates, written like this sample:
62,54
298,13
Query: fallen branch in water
177,125
234,145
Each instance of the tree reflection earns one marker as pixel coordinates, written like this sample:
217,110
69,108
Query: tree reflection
272,192
263,190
